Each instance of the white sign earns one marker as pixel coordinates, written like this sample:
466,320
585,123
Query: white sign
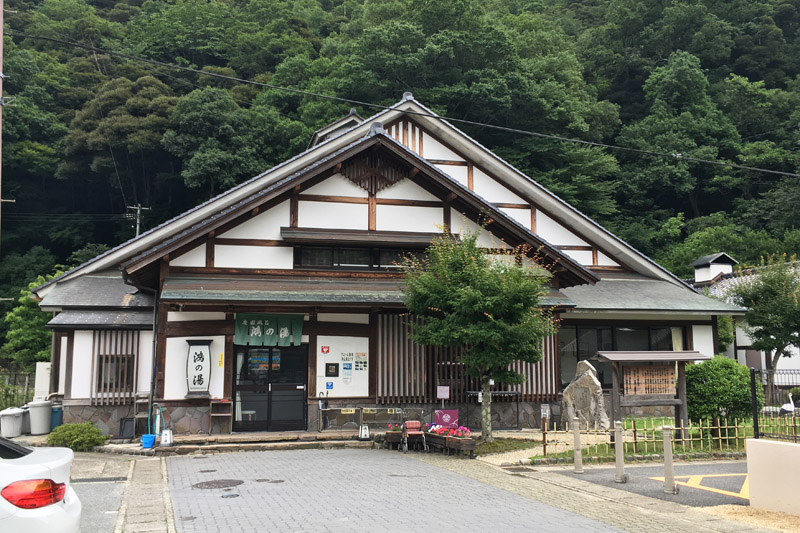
443,392
198,367
352,356
546,411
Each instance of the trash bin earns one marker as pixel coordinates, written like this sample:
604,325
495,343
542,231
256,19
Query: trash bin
41,411
57,417
26,420
11,422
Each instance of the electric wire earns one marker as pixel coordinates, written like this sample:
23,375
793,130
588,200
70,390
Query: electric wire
652,153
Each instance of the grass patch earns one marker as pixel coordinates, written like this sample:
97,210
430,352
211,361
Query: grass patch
505,445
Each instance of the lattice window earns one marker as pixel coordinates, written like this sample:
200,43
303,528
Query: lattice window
114,367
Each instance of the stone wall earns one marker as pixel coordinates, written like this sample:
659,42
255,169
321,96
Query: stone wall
105,417
182,420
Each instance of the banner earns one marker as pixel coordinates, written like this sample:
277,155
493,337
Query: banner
256,329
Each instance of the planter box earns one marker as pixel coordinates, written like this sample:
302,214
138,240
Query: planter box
451,444
393,438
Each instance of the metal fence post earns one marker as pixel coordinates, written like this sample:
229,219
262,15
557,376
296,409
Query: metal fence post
576,433
754,402
669,469
619,445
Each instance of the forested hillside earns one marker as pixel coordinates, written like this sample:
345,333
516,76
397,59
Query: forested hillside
89,133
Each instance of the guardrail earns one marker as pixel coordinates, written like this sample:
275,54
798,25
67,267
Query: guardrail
340,418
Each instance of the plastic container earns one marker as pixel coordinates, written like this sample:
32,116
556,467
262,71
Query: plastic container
26,420
41,412
57,417
148,440
11,422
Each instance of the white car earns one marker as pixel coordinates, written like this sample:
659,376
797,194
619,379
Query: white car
35,495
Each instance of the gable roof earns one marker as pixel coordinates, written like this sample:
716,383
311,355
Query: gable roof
719,258
570,271
409,108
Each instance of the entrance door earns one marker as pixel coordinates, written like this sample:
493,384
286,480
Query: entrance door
269,388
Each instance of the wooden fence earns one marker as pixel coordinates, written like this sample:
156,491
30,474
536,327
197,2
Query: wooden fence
15,389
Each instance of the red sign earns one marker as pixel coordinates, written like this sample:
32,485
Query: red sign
326,349
446,418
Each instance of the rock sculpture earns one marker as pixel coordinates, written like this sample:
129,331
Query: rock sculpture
584,398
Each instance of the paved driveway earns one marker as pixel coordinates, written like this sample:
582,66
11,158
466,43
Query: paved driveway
347,490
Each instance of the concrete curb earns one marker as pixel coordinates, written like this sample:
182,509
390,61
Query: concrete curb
166,451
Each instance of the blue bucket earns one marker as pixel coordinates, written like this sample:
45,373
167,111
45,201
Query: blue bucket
148,441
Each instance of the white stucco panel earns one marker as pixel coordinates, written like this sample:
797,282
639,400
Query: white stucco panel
408,218
604,260
583,257
177,351
266,225
433,149
186,316
193,258
82,378
406,190
491,190
703,339
145,370
253,256
337,185
332,215
554,233
457,172
462,224
523,216
62,366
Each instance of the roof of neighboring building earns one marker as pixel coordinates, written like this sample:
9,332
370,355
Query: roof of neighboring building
336,128
655,356
718,258
639,293
127,319
295,289
101,289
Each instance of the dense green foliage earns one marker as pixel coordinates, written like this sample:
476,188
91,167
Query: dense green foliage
90,133
487,304
719,388
771,295
79,437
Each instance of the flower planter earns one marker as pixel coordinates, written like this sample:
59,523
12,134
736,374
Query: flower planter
450,444
393,438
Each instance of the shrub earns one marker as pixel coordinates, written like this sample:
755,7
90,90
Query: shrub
720,388
79,437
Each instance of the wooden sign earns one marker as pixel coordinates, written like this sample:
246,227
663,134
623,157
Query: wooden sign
639,380
198,368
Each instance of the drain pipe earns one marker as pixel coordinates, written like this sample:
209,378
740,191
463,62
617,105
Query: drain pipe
129,281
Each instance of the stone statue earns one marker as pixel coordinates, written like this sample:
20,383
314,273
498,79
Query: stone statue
584,398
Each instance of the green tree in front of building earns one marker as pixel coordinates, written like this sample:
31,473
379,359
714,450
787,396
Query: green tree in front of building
489,305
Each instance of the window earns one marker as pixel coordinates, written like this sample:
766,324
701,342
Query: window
578,343
350,258
114,361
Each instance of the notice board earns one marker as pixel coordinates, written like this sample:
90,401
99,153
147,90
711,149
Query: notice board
342,366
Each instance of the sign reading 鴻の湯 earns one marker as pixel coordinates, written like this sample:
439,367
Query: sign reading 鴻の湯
198,368
256,329
648,380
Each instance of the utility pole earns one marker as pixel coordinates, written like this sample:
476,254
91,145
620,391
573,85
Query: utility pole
138,208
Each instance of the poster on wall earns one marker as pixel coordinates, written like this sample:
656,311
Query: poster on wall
350,355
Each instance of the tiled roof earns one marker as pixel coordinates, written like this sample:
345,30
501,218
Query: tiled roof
101,289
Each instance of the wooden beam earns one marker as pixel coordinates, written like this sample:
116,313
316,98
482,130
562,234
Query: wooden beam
200,327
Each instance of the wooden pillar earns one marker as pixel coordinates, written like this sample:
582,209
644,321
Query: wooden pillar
682,411
616,408
230,360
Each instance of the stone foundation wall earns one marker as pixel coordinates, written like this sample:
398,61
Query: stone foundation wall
105,417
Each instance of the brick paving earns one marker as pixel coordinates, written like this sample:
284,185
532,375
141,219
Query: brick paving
358,491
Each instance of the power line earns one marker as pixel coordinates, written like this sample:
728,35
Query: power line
652,153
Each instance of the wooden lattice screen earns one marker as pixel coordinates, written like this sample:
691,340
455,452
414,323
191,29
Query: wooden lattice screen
114,367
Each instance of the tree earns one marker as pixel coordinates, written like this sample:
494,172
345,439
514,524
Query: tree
771,294
718,388
488,305
28,339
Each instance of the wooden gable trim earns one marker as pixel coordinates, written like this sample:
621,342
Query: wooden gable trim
533,205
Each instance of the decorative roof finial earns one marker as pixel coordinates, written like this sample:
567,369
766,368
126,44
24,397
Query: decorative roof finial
376,128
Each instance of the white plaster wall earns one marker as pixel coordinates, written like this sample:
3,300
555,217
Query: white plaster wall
253,256
408,218
523,216
193,258
337,185
554,233
186,316
433,149
406,190
703,339
491,190
772,469
62,366
486,239
175,367
266,225
742,338
457,172
604,260
332,215
82,377
583,257
349,318
145,370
